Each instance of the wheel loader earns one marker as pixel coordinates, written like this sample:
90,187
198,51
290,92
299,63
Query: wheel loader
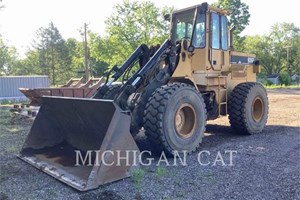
194,76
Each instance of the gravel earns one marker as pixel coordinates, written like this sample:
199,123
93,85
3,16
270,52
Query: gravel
265,166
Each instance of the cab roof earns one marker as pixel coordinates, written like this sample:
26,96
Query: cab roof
204,6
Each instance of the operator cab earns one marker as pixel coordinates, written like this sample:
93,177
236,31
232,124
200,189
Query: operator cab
202,30
183,26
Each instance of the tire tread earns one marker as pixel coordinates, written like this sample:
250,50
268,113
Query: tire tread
154,112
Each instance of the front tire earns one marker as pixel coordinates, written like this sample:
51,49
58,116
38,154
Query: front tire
248,108
175,118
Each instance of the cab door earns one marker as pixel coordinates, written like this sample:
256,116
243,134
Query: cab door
218,40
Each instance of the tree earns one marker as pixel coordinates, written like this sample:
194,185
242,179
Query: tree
131,24
29,65
238,17
285,40
260,46
8,56
100,50
279,51
75,50
53,54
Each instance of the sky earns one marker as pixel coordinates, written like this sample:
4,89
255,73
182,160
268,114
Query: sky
20,19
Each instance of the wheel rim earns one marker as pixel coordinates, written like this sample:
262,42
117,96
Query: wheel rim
257,109
185,121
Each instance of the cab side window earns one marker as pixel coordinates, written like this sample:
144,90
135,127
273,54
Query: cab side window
224,33
199,32
215,31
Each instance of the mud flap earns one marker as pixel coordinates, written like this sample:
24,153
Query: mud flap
82,142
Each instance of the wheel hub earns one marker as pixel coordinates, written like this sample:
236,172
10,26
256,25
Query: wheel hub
185,121
257,109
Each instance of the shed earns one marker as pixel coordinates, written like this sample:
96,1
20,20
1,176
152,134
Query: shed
9,85
274,79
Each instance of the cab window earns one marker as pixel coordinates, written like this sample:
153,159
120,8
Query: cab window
215,31
183,25
199,32
184,30
224,33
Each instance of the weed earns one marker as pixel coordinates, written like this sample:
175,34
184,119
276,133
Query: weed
137,176
160,172
5,117
13,101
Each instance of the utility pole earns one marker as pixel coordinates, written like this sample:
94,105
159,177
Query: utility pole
86,59
287,59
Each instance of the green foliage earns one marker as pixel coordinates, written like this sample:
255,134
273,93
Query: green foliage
8,57
28,65
160,172
76,55
131,24
96,48
260,45
13,101
138,176
238,17
279,51
239,13
285,78
282,86
53,54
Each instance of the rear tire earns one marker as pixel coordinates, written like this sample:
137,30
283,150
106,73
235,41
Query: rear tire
175,118
248,108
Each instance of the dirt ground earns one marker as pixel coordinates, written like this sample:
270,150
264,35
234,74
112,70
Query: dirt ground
266,165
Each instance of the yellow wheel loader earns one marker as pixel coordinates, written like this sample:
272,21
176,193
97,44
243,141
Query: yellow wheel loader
192,77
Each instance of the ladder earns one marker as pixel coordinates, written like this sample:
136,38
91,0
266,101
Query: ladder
222,89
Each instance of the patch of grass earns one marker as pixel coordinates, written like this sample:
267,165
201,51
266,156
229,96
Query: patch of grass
282,86
138,176
7,124
160,172
13,101
5,117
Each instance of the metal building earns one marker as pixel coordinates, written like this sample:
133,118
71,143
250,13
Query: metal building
9,85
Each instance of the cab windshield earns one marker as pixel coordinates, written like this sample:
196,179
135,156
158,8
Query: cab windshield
183,25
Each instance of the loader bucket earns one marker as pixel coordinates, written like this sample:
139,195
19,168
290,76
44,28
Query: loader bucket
79,141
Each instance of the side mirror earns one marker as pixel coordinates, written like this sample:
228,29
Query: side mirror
191,49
